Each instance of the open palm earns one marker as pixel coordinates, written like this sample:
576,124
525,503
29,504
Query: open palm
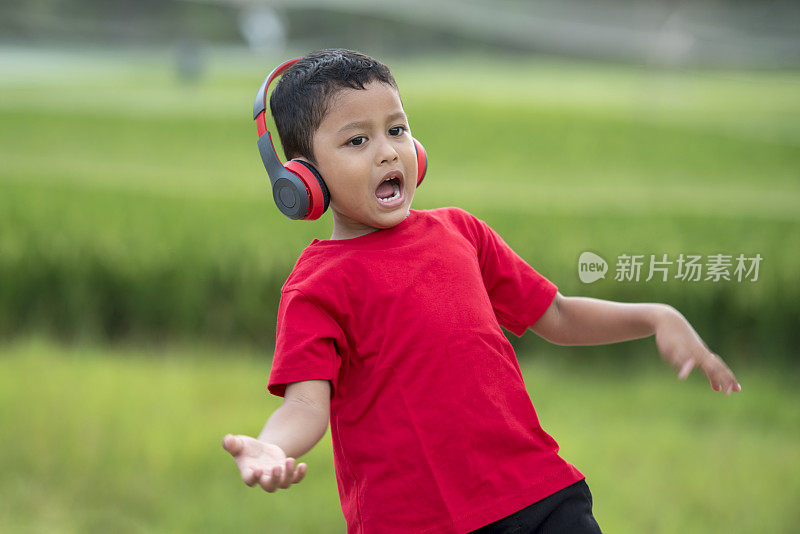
263,463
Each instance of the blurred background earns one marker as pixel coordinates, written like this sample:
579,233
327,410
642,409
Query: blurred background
141,255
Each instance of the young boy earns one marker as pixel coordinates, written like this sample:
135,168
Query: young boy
392,330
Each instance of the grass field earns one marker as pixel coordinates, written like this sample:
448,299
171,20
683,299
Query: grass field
132,206
128,441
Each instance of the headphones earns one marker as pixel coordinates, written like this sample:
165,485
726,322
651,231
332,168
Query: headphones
297,188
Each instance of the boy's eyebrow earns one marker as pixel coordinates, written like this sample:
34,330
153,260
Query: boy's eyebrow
361,124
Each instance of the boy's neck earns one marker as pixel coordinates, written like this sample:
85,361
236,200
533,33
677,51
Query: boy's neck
350,233
347,228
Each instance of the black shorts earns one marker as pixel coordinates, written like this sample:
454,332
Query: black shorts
567,511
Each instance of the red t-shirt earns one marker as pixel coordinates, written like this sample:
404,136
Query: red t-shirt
433,430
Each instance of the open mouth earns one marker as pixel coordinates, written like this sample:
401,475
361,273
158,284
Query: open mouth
390,190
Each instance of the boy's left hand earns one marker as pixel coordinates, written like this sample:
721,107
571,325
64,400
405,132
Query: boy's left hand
681,347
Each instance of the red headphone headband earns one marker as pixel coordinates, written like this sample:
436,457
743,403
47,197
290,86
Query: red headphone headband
260,108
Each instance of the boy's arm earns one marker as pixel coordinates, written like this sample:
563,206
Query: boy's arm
302,419
291,431
588,321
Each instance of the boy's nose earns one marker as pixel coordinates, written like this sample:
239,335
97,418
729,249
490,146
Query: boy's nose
387,153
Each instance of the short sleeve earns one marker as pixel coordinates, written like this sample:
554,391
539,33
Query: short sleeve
519,294
305,344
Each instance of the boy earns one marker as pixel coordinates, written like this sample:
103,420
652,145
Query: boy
391,329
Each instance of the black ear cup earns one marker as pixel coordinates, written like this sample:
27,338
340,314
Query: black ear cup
326,196
290,195
314,191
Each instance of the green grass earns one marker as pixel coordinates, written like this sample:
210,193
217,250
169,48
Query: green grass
129,440
133,207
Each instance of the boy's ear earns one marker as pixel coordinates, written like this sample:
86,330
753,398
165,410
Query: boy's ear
299,157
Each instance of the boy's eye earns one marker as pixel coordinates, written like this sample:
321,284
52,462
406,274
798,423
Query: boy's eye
357,141
397,130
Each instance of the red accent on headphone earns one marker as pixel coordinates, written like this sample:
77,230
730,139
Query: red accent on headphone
316,204
422,161
261,121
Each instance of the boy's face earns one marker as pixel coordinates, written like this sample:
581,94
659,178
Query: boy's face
365,140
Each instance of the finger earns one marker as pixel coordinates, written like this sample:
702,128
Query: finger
251,475
720,375
713,382
301,472
730,382
267,482
713,369
686,369
734,386
274,479
718,383
715,385
732,379
288,474
231,444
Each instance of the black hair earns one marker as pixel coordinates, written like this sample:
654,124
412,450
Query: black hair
303,94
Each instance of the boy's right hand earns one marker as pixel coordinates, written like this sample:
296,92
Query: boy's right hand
263,463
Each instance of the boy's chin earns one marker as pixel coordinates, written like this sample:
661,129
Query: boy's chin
358,223
385,222
392,218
